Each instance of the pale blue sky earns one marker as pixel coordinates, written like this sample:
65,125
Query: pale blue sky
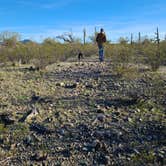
39,19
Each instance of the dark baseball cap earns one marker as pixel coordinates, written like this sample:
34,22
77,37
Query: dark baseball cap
101,29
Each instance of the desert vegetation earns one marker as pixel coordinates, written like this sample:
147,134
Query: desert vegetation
145,51
55,110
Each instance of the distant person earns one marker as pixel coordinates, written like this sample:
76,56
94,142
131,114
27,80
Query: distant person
101,39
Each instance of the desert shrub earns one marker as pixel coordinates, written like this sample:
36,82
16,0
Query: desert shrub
20,52
121,56
89,49
16,54
159,88
163,52
72,50
3,55
10,56
51,51
28,51
152,52
127,59
123,40
40,58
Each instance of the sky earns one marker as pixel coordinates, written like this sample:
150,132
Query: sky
39,19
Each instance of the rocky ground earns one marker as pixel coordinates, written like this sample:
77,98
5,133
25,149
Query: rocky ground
82,114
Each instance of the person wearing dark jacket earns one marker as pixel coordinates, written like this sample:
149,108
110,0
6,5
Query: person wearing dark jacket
101,39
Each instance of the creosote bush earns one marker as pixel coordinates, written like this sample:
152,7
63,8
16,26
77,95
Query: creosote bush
51,51
152,52
121,55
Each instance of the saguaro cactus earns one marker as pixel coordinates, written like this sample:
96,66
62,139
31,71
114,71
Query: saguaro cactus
84,35
131,40
95,31
95,34
157,37
156,60
139,37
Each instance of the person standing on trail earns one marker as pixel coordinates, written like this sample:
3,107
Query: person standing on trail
101,39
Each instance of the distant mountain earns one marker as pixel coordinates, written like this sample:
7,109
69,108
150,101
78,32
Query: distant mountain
25,41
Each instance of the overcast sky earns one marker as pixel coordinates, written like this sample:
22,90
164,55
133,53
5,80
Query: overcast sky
40,19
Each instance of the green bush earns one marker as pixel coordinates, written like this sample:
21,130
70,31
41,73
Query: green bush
163,52
51,51
152,53
121,56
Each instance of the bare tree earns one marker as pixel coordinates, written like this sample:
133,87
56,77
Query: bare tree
123,40
9,38
6,35
66,37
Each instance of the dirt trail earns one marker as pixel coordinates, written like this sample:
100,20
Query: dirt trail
83,114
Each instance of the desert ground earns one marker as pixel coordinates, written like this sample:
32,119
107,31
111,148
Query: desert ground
82,114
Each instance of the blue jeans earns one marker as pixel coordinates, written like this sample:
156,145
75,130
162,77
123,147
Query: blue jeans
101,53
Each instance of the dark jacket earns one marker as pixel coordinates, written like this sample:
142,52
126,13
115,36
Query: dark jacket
101,38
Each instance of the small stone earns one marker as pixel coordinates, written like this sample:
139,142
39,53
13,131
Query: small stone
5,119
115,119
101,117
39,156
58,84
140,119
136,151
1,140
102,159
28,140
88,85
71,86
85,149
130,120
116,113
138,110
40,129
62,84
66,153
100,110
97,145
83,163
13,146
